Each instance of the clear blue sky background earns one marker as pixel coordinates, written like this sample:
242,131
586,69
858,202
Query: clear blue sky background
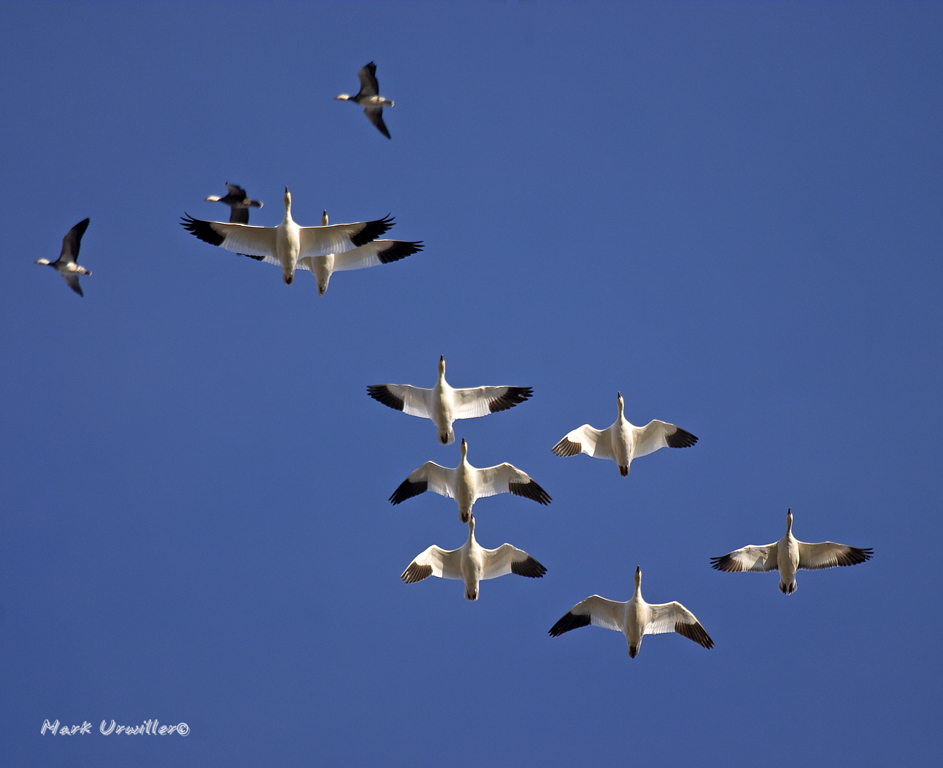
729,212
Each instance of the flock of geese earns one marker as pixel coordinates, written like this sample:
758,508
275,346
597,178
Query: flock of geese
325,249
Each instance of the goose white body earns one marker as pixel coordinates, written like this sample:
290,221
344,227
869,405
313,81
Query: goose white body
370,255
444,404
472,563
634,619
285,244
621,441
788,556
466,484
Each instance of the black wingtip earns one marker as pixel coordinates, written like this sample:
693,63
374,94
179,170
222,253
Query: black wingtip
696,633
570,621
201,229
416,572
725,563
566,448
529,567
680,439
514,396
372,230
382,394
530,490
397,250
407,490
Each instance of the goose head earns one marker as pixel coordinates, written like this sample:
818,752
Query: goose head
324,218
638,578
441,366
343,97
464,449
788,521
287,201
44,261
621,403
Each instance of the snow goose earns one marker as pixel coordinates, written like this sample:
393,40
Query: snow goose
472,563
634,619
369,255
623,441
466,484
369,97
238,202
67,263
444,405
285,244
788,555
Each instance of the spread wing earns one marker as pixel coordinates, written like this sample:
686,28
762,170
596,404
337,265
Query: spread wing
593,610
659,434
337,238
480,401
375,116
375,253
828,554
255,242
506,478
368,80
674,617
586,439
72,278
509,559
435,561
70,247
429,477
403,397
752,558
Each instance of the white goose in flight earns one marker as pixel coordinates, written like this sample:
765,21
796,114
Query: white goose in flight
369,97
285,244
238,202
634,619
369,255
444,405
788,555
67,263
472,563
466,484
623,441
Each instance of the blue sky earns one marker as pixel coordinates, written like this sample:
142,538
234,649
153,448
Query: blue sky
729,212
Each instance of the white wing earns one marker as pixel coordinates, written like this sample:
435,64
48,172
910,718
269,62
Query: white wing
752,558
586,439
506,478
403,397
509,559
257,242
429,477
659,434
593,610
435,561
338,238
480,401
375,253
828,554
674,617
